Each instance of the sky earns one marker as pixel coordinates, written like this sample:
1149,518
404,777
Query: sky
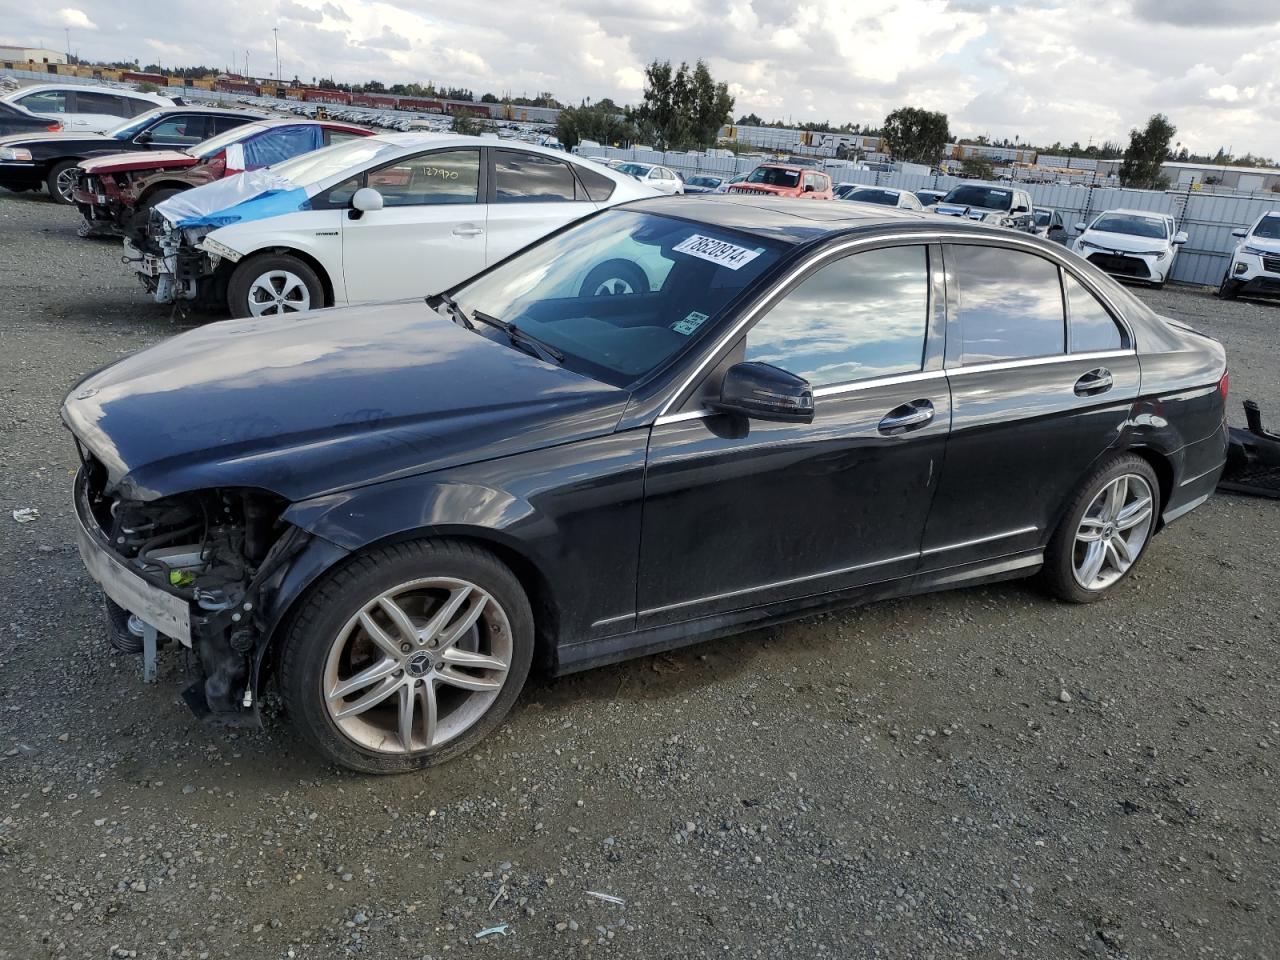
1039,70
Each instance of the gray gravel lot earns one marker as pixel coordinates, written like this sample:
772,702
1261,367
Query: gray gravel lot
904,780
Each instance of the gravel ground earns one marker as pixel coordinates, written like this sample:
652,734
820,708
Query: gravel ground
982,773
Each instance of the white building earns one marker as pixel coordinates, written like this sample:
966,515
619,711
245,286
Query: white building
38,54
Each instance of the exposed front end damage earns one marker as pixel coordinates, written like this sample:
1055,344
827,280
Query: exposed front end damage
171,264
200,568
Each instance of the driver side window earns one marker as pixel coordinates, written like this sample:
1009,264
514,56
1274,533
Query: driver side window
859,317
449,176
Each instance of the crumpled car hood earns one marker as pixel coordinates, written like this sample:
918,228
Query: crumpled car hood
152,160
334,399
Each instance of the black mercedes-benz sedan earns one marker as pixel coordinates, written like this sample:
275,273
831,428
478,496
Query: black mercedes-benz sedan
674,420
30,161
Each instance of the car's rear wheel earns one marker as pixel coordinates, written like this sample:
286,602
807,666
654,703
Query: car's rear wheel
61,180
614,278
407,655
272,285
1105,531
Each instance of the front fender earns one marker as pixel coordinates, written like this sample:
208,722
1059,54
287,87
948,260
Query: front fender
317,234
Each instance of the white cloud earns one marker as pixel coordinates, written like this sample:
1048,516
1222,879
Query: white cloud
1046,70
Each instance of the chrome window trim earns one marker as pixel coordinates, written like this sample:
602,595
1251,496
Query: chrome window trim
989,366
821,257
778,583
978,541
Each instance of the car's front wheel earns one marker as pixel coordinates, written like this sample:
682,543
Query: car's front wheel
1104,531
407,655
1229,289
62,180
273,284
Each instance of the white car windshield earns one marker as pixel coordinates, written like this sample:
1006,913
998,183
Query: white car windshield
1154,228
223,140
885,198
1268,228
634,169
350,157
990,198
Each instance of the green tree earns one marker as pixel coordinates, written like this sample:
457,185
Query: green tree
915,135
597,123
977,167
488,98
467,126
1148,149
682,108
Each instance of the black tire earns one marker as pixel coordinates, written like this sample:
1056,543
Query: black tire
1058,573
342,593
142,216
249,270
614,278
51,180
1229,289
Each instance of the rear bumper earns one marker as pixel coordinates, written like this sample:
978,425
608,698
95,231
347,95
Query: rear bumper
1202,466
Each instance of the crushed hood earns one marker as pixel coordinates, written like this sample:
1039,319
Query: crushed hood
152,160
253,195
332,400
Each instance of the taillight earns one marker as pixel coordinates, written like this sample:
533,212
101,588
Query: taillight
54,127
1223,384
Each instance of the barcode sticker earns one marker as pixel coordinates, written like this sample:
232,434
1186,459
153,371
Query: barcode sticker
717,251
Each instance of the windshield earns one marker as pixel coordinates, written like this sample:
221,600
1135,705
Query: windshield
774,176
633,169
327,162
1042,218
621,293
883,197
1268,228
223,140
991,198
703,182
1154,228
129,128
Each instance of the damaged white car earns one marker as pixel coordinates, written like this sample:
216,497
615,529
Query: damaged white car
381,218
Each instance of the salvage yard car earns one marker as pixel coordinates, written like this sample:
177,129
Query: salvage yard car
784,180
397,215
87,109
884,197
116,192
662,179
1133,244
1254,269
996,205
50,159
393,510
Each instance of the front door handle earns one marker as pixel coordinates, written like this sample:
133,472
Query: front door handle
467,230
907,417
1094,382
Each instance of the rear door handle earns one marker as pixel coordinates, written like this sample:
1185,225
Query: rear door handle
1094,382
907,417
467,230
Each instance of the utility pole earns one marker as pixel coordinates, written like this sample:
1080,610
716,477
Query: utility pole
67,31
275,31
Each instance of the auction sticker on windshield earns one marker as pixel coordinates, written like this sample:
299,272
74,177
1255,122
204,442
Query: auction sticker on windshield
690,323
717,251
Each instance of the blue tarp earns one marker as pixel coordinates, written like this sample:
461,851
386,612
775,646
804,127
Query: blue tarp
281,143
246,196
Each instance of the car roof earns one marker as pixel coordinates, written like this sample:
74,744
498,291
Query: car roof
218,111
156,98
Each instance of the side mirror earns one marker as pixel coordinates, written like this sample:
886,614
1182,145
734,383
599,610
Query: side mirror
1239,232
808,188
762,391
1179,238
365,200
1080,227
144,137
1020,209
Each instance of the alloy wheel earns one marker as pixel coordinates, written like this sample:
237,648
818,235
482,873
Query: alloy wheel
66,182
276,292
417,665
1113,532
613,287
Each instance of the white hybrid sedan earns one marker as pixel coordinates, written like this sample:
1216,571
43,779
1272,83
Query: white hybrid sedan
378,218
1132,244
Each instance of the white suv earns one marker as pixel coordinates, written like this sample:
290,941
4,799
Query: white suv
85,109
1133,244
1254,269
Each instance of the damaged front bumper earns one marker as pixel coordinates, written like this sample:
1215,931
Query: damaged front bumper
173,267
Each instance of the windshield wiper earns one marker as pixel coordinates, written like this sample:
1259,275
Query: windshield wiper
455,311
519,338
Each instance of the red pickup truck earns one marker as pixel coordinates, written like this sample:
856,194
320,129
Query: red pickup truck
783,180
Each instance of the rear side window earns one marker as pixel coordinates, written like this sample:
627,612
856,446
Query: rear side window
599,187
87,102
1091,326
1010,304
862,316
529,178
223,124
